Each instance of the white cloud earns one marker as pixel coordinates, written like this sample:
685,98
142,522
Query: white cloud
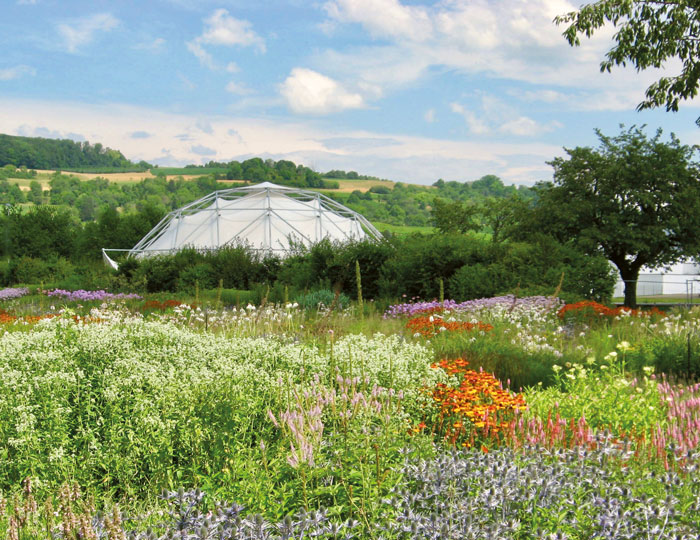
155,45
221,29
398,157
497,116
509,39
237,88
195,47
42,131
476,125
82,31
307,91
383,18
204,126
16,72
429,116
544,95
526,127
201,150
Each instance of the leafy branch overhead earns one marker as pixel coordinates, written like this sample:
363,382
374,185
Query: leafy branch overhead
650,34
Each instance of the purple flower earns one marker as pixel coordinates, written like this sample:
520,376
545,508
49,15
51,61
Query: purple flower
9,293
72,296
508,302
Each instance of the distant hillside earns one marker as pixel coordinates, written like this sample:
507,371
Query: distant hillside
61,154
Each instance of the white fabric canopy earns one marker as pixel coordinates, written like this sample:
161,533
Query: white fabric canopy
264,216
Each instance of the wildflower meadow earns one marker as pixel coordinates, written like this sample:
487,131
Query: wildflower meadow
515,418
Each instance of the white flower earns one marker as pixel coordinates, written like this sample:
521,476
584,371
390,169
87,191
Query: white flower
624,346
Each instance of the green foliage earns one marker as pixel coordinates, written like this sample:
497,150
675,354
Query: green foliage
495,353
476,268
635,200
131,408
480,281
454,217
235,297
188,171
40,153
43,232
677,354
10,193
322,297
600,392
28,270
649,35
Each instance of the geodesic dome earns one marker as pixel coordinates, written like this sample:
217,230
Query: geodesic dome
263,216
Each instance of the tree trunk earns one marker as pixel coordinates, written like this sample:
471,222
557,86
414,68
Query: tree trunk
630,277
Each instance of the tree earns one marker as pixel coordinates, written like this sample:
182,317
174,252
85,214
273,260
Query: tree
36,194
633,199
502,216
454,217
649,34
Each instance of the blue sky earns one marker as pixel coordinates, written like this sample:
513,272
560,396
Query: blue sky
400,89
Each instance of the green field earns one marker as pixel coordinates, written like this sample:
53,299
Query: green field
402,229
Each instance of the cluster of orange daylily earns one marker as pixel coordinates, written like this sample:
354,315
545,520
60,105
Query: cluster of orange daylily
596,309
478,408
429,326
8,318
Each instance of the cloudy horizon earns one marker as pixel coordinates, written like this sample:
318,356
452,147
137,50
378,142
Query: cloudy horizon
411,91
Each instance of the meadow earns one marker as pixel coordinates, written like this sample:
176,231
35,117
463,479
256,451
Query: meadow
165,417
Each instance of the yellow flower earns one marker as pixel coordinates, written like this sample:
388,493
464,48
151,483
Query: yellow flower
624,346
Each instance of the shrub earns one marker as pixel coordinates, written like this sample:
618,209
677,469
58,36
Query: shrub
160,273
325,297
29,270
200,275
479,281
238,266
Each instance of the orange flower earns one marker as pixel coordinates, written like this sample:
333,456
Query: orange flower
478,403
431,326
592,309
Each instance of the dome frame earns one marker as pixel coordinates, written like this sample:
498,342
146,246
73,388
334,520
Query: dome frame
268,217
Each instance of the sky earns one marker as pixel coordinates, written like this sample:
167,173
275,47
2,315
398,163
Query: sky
406,90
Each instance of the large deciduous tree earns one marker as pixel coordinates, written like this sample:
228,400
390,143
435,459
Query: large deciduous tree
635,200
650,33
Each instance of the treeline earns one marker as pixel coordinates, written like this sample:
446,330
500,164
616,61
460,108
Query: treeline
281,172
396,204
40,153
349,175
408,204
48,245
487,186
87,197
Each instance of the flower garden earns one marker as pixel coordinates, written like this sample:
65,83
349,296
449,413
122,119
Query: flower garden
515,418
